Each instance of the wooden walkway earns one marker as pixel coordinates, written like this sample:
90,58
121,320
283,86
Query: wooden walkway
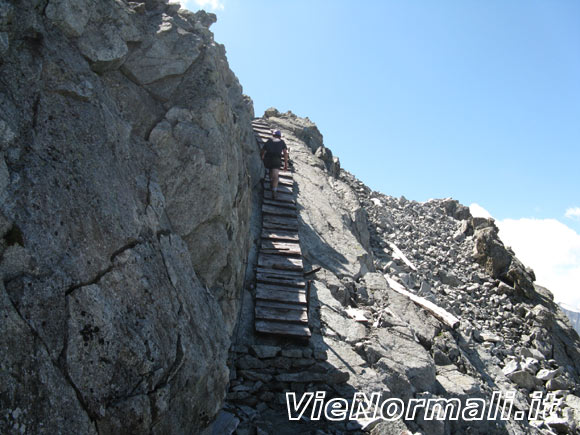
281,306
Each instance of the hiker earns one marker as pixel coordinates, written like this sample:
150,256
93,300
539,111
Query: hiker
271,155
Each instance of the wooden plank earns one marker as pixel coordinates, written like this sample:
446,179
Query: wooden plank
281,181
294,297
278,211
284,197
288,252
280,262
286,220
281,235
281,188
269,327
280,248
280,288
277,203
289,273
278,226
277,278
286,175
436,311
279,223
290,247
274,304
282,314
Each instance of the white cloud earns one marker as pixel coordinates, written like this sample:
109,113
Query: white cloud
549,247
573,213
213,5
478,211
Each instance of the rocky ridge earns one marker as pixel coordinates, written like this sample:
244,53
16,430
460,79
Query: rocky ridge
512,337
573,315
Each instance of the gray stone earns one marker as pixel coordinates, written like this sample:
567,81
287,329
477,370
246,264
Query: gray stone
225,423
511,367
532,353
292,353
560,424
531,365
546,375
490,252
345,327
440,358
408,358
301,377
455,383
523,379
489,336
249,362
263,351
256,376
542,315
559,383
169,53
104,48
448,278
70,16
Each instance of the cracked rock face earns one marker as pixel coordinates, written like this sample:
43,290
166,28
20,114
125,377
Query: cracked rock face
126,166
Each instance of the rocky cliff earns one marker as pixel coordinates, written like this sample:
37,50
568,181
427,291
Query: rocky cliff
573,315
126,167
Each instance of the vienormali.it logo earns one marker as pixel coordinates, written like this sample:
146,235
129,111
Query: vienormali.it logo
315,406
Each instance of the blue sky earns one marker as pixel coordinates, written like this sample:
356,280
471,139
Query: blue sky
475,100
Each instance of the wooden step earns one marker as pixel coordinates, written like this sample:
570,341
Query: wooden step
288,190
277,203
293,273
278,211
269,327
281,181
280,248
281,235
282,305
283,197
280,262
280,294
272,222
280,278
260,125
282,314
